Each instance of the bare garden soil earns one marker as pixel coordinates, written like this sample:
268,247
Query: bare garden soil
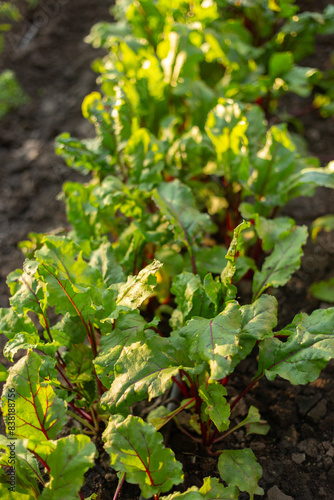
297,455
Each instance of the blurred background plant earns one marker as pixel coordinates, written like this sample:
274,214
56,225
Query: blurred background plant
11,93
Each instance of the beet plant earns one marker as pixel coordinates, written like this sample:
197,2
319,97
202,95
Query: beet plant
139,301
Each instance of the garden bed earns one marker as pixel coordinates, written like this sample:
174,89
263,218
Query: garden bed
297,455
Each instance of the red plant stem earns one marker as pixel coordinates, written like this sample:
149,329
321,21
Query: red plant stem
198,401
155,330
182,386
81,412
71,300
101,388
60,370
244,392
40,459
81,496
193,263
92,339
119,487
60,360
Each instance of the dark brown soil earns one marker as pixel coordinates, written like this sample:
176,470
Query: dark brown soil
297,455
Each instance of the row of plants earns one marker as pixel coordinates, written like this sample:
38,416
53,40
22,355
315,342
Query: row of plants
141,296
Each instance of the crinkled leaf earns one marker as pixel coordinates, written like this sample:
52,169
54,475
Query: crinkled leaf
239,468
177,204
69,461
144,370
40,414
215,340
215,404
29,341
282,262
309,347
136,448
213,289
192,299
69,330
104,259
129,328
231,256
12,323
138,288
30,293
65,258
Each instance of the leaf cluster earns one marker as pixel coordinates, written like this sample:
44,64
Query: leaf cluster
141,299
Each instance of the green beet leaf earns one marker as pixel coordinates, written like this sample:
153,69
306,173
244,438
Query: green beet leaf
79,363
259,318
138,288
29,341
310,178
213,490
269,230
231,256
177,204
14,495
309,347
215,405
324,223
136,448
282,262
12,323
30,293
27,473
193,299
190,494
65,258
239,468
144,370
253,422
40,414
129,328
215,340
226,126
3,373
323,290
104,259
69,461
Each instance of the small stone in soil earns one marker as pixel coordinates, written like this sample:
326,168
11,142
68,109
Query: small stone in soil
298,458
309,446
276,494
319,411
